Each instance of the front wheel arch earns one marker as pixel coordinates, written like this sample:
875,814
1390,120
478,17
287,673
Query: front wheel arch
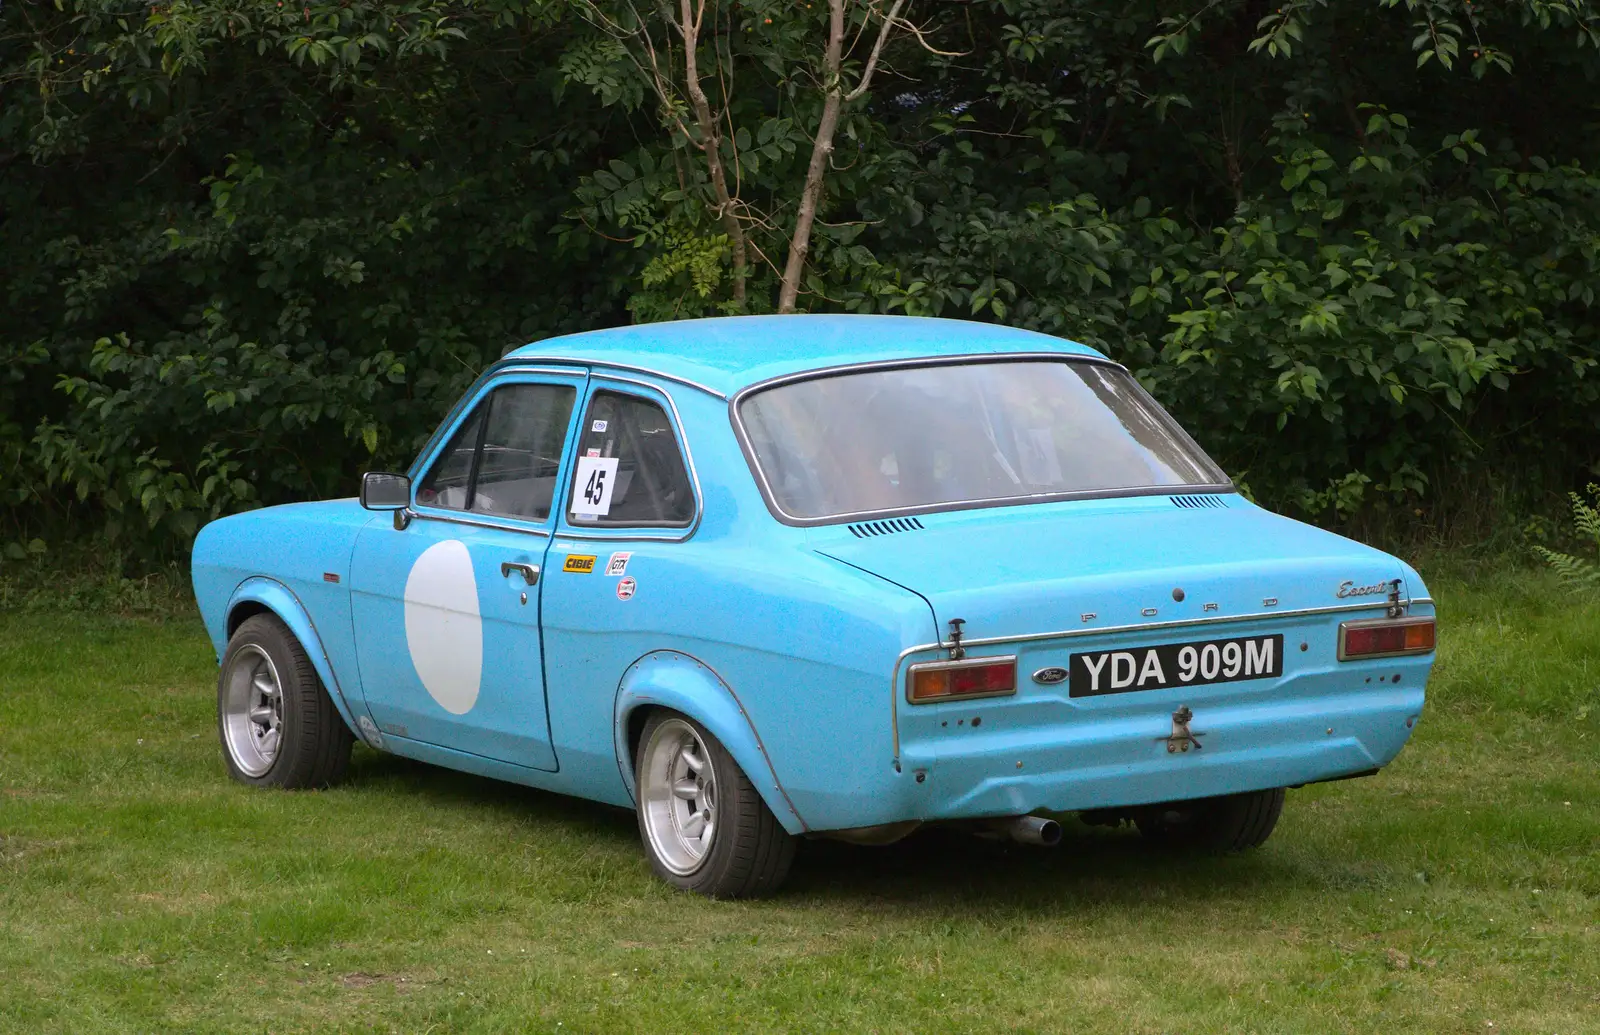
261,595
275,717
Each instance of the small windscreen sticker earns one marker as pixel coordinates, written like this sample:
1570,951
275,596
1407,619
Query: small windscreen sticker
598,425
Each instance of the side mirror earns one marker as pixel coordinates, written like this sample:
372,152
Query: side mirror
381,490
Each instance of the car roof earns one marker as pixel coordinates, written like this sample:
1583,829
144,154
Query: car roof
726,354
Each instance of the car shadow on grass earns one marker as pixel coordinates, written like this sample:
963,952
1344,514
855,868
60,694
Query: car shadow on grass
934,867
432,785
1091,866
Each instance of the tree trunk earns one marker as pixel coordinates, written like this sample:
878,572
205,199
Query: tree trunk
821,152
711,144
800,245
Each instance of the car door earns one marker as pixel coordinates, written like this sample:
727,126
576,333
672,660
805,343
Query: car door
620,577
446,606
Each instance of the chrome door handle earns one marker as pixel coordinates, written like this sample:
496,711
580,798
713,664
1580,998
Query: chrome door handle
530,572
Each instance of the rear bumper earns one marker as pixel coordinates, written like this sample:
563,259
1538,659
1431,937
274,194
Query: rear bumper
1125,761
1110,761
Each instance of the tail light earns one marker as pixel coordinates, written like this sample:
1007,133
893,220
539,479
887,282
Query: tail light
1385,638
957,680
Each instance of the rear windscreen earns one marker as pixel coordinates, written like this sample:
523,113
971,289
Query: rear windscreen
916,437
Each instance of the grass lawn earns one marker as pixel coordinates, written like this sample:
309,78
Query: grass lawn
141,890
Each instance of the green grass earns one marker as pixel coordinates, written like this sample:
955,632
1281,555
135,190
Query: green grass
142,891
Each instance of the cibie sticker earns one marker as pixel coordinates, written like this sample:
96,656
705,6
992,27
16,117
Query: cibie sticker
626,587
597,478
618,564
582,563
598,425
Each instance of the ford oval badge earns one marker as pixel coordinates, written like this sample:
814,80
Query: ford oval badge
1050,676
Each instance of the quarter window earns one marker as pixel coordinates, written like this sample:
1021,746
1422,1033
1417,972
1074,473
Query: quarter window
629,470
504,458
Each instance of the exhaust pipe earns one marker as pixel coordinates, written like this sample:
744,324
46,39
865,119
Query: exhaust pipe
1031,830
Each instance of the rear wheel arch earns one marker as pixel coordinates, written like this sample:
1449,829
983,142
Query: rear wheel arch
704,826
669,680
636,720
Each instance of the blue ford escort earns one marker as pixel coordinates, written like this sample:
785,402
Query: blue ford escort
769,577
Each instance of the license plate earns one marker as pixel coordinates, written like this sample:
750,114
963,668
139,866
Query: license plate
1175,664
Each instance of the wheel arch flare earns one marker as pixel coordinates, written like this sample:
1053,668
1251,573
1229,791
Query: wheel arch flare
261,595
683,683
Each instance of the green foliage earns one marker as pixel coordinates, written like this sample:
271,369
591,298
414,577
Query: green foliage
1579,573
259,247
684,267
255,248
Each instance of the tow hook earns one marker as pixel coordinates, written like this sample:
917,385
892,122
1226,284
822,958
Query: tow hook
957,652
1182,738
1396,608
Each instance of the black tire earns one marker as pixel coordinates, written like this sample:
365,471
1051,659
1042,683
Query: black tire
1231,823
312,747
749,855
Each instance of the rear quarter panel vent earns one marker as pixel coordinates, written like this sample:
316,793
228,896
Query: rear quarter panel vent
1199,502
888,526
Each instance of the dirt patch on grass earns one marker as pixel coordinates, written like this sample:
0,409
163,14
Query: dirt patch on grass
14,848
177,903
358,979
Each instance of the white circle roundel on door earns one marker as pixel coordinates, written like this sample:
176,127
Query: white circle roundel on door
444,629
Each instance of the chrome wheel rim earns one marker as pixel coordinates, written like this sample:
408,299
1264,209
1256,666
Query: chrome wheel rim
678,792
252,710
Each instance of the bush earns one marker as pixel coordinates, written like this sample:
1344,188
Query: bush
255,248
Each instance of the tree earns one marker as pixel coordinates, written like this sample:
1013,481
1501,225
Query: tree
251,249
669,51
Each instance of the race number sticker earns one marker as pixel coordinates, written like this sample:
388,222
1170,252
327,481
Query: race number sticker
597,478
618,564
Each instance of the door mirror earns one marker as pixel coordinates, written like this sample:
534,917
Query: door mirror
381,490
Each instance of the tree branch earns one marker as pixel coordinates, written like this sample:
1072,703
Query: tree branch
889,22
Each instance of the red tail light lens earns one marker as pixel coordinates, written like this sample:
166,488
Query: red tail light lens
953,680
1385,638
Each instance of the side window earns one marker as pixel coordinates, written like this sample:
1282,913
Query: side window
504,458
629,470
